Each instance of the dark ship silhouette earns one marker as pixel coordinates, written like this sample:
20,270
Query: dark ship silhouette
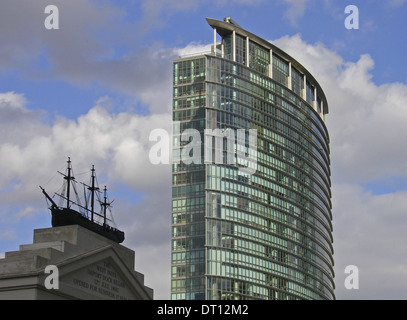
83,216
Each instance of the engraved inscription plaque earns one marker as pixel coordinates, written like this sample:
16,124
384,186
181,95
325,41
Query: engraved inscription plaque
101,280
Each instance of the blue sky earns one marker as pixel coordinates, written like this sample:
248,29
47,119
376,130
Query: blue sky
96,87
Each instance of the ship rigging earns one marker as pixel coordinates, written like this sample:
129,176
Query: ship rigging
85,214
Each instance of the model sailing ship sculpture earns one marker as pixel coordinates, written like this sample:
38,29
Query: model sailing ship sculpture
83,216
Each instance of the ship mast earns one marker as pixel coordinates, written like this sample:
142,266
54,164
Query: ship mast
62,216
92,189
68,178
105,204
54,205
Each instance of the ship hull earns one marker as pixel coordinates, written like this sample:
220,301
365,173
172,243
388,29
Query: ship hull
66,217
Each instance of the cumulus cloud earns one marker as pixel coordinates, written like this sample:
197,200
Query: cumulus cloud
193,48
10,100
148,232
366,124
95,44
118,145
365,120
369,234
32,148
295,11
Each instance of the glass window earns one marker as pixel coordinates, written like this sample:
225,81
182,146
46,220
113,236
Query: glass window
280,70
259,58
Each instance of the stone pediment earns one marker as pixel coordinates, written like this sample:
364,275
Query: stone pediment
84,265
100,275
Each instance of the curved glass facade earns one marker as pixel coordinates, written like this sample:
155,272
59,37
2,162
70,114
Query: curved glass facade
266,234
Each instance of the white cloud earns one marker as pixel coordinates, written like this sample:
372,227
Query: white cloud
148,233
154,261
295,11
118,145
10,100
366,227
365,119
369,233
85,50
193,49
31,149
367,125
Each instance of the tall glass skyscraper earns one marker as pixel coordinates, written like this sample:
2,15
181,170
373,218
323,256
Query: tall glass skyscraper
263,233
